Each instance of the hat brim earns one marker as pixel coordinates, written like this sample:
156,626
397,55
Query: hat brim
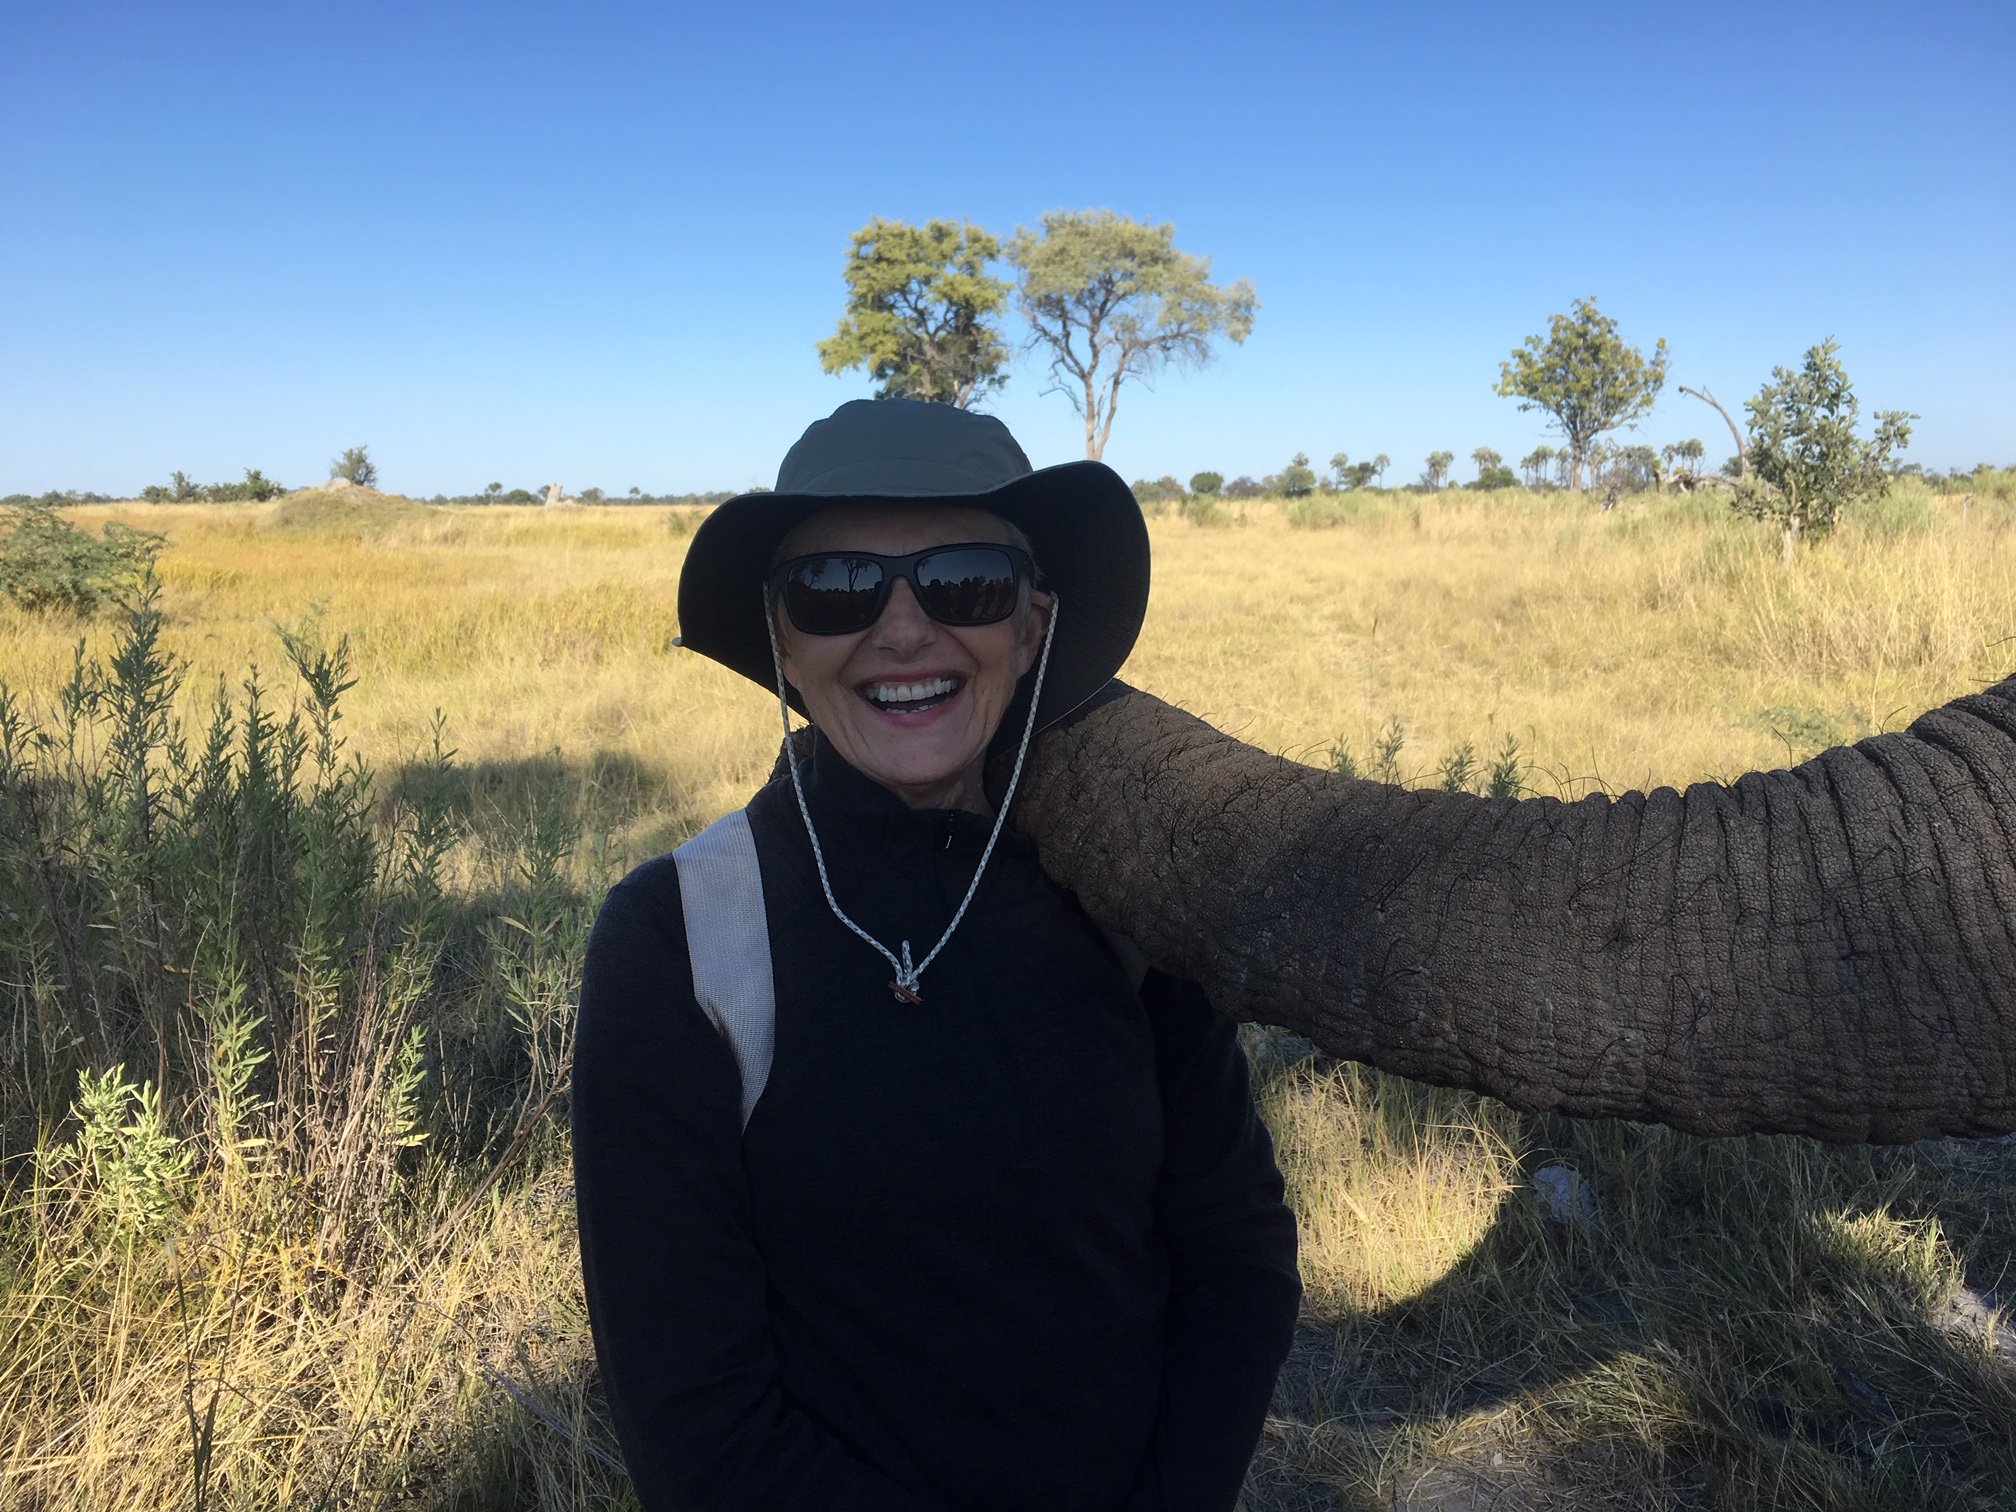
1082,521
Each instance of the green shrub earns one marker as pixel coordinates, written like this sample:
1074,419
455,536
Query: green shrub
123,1167
1206,482
50,566
1321,511
220,934
1205,509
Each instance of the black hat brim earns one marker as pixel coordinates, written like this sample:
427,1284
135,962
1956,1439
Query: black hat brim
1082,521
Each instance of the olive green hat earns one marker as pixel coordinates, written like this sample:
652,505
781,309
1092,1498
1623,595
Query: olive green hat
1082,522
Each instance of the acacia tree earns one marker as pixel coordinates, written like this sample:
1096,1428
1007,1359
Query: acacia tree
920,311
1584,375
356,466
1806,462
1111,299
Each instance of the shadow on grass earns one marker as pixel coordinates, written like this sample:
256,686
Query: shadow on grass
537,1440
1686,1323
498,798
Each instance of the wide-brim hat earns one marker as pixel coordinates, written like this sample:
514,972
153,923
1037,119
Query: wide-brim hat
1082,521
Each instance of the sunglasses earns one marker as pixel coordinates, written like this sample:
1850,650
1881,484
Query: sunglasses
839,592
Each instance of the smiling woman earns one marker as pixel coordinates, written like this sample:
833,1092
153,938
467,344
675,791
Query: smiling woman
869,1221
906,628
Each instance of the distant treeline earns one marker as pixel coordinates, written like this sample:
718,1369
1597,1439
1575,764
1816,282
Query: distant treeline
55,499
497,493
255,488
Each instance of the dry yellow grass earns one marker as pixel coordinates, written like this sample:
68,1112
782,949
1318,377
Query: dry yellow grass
1660,643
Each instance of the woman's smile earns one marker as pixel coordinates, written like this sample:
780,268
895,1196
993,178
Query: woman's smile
910,701
908,697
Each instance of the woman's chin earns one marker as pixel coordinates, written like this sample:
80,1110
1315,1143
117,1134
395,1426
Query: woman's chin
921,760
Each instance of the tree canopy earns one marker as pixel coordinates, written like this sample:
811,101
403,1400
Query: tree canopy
1297,478
355,466
1112,299
1807,462
1584,375
920,311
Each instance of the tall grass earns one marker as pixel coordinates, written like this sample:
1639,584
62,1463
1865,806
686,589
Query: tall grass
275,1102
286,960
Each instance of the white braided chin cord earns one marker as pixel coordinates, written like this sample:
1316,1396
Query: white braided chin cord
904,986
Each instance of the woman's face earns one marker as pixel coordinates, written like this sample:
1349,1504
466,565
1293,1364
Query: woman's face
930,757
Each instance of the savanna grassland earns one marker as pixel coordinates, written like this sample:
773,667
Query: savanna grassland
302,1235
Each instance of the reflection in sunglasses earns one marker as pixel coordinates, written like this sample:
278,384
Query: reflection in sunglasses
838,593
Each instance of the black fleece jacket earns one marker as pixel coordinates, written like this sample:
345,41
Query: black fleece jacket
1022,1247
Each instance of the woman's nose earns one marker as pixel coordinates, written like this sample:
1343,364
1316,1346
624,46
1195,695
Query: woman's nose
904,623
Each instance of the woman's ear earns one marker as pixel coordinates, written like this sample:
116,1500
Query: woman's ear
1035,624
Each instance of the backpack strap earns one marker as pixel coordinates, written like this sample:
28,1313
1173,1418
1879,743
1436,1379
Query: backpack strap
728,942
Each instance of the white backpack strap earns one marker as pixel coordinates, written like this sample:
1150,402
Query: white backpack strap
728,942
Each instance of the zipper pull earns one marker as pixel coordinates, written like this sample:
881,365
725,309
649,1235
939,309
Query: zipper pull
951,821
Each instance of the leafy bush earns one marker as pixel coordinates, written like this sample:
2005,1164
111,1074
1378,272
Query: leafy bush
123,1166
1495,477
1322,511
254,488
1807,464
50,566
248,1016
1241,487
1206,482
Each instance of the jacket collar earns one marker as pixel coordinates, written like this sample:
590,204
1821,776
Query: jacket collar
846,801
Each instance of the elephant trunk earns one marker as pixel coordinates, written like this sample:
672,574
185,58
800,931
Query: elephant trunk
1829,951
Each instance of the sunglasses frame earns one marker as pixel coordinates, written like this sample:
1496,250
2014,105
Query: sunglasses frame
1023,567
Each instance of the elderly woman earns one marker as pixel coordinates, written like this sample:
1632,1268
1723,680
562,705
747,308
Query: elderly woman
899,1186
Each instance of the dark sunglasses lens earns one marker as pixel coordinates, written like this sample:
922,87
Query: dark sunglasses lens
832,595
972,585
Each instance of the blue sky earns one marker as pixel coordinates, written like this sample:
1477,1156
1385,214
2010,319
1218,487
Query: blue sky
597,243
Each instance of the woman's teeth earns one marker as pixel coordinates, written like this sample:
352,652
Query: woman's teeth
907,695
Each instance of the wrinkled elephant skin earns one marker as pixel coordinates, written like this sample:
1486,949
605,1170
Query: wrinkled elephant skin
1829,950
